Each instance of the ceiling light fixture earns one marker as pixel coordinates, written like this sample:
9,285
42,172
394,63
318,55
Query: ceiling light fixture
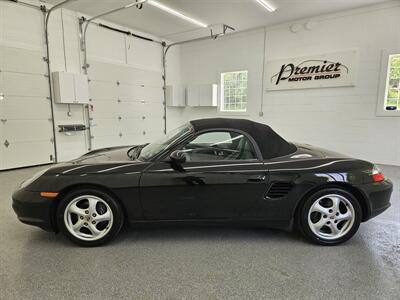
176,13
266,5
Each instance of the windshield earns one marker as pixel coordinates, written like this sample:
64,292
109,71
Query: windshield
165,142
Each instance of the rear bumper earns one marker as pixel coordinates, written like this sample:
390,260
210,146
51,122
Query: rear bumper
33,209
377,196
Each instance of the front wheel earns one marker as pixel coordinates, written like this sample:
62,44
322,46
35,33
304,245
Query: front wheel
330,216
89,217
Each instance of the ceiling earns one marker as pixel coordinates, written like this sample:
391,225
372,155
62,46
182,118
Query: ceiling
240,14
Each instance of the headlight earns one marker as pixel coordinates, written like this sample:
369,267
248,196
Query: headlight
27,182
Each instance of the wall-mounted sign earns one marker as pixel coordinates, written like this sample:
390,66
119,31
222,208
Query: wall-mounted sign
318,71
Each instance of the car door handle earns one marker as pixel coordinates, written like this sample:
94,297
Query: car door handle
256,178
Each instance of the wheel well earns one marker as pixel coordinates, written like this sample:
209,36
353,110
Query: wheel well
345,186
70,188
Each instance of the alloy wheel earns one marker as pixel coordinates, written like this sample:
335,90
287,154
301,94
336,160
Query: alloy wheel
331,216
88,217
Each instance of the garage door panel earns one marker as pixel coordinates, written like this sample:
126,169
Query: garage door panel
137,109
72,146
113,50
128,92
21,154
20,60
108,126
140,126
127,75
22,26
105,109
25,108
103,90
27,130
19,84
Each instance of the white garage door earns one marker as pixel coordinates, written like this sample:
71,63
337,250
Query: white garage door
25,127
127,104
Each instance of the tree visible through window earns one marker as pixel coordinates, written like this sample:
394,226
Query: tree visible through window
392,94
234,91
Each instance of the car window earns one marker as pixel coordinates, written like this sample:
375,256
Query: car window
219,145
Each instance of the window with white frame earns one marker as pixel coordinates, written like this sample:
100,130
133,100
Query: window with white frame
392,91
234,91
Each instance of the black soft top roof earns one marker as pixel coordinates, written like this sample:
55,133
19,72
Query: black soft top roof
270,143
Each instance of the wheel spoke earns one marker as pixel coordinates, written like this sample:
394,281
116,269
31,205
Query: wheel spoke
334,229
319,208
73,209
104,217
344,217
317,226
335,203
92,205
78,225
93,229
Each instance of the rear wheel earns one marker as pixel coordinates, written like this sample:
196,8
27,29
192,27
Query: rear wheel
89,217
330,216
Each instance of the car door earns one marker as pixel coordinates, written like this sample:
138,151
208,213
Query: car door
222,178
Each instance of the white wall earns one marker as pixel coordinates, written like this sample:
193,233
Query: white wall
342,119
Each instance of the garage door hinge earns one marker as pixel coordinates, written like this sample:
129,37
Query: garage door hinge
85,66
46,75
45,59
92,137
120,134
7,144
118,83
119,118
3,120
144,132
50,119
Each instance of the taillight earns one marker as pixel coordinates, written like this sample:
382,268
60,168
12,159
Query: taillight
377,175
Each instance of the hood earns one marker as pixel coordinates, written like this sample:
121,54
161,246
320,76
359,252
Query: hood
110,154
106,161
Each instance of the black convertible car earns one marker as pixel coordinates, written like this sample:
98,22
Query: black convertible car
208,171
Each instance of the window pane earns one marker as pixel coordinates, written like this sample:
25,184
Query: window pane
235,91
219,145
392,98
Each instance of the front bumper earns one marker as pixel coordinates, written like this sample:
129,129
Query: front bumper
377,196
33,209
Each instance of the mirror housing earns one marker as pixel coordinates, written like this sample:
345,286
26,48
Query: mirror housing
178,157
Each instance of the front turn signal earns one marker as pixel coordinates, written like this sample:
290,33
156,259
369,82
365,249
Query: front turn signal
49,194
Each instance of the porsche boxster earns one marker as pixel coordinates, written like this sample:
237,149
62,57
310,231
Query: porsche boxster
208,171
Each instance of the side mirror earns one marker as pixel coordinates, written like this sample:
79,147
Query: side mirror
178,157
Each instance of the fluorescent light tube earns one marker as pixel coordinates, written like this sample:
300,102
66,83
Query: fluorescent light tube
176,13
266,5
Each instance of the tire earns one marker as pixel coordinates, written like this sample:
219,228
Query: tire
89,217
329,217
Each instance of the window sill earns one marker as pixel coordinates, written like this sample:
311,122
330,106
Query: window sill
233,113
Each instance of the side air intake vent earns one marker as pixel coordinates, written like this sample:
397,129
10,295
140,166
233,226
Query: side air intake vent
279,190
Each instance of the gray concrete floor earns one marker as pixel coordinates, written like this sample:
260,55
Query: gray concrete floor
198,263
